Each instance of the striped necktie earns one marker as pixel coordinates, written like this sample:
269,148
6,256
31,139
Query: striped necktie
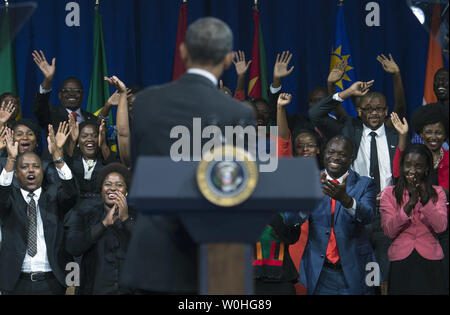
32,226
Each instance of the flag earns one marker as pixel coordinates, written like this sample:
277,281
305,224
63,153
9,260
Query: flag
435,60
178,65
99,89
339,52
259,83
8,75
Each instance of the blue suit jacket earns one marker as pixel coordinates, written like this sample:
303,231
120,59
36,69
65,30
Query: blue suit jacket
354,248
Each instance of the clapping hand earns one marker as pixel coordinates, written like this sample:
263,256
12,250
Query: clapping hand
121,206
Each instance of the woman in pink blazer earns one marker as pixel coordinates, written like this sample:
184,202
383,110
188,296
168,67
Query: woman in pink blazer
413,212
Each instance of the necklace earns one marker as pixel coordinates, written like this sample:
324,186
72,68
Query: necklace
90,164
441,156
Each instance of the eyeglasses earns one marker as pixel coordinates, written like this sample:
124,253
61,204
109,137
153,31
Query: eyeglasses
379,110
78,91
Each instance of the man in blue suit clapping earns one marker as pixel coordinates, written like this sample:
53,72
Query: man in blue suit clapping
338,251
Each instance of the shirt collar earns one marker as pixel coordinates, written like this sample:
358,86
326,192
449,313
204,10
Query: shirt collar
205,74
380,131
78,111
340,179
37,193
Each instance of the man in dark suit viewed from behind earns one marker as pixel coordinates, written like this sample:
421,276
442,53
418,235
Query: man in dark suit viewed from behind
162,258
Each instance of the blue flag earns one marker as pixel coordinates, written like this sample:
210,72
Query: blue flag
339,52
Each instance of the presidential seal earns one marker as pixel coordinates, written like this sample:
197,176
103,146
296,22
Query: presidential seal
227,177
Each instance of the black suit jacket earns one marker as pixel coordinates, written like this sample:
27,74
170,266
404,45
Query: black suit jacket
48,114
348,126
55,201
162,256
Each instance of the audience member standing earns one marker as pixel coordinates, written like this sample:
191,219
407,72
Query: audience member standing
412,213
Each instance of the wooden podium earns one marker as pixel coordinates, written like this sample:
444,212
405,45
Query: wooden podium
225,235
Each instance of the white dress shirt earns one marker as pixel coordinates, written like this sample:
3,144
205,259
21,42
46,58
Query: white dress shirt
38,263
351,210
362,162
205,74
80,118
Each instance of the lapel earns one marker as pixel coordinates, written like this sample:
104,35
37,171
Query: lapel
21,209
358,131
351,185
392,139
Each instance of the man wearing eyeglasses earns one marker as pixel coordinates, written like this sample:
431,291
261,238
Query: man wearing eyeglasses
374,142
71,97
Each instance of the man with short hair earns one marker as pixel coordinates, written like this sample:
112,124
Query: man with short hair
33,258
71,97
337,251
162,257
375,145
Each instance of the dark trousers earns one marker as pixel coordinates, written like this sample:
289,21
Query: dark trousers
380,244
332,282
274,288
44,287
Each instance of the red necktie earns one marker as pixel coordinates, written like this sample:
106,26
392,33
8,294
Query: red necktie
75,115
332,250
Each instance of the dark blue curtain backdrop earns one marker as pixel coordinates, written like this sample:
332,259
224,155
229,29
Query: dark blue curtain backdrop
140,42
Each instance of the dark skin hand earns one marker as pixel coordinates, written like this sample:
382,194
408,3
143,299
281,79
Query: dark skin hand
416,191
337,191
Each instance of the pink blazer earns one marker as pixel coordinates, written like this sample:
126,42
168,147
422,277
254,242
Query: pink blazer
414,232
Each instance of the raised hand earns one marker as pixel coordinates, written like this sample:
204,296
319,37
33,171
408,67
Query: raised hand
102,134
280,70
48,70
338,72
113,99
284,99
6,111
388,65
119,85
401,126
51,140
240,63
12,146
62,135
74,128
357,89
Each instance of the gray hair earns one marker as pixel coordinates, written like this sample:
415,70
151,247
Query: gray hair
208,41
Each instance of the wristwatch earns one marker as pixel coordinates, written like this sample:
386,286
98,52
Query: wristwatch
60,160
